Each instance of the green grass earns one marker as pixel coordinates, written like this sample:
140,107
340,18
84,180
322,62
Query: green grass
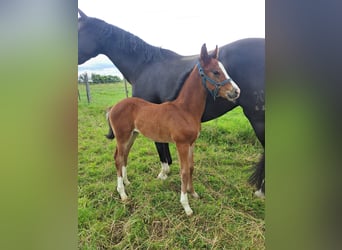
227,216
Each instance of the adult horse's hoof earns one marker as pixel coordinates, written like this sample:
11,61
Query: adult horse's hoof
162,176
164,171
259,194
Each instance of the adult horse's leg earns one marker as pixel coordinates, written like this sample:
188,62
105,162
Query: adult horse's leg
257,120
258,177
183,154
165,159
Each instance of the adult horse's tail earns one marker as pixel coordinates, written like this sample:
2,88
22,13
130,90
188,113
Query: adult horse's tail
258,177
110,134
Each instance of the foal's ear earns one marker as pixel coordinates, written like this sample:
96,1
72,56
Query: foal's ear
215,53
204,55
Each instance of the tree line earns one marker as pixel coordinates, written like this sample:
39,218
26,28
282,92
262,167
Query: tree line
96,78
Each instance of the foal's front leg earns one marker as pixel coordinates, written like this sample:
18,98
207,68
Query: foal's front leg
190,187
183,153
126,150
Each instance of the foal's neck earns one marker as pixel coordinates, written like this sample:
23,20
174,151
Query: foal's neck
192,96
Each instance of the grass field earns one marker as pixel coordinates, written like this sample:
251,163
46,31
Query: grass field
227,216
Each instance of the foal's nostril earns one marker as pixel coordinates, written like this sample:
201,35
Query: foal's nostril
235,93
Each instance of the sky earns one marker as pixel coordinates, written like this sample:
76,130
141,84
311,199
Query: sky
179,25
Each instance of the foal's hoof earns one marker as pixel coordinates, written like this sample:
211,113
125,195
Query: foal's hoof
127,183
124,197
189,212
122,194
195,195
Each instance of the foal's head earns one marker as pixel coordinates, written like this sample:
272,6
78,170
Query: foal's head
214,76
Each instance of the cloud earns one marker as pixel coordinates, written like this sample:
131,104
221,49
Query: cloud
99,65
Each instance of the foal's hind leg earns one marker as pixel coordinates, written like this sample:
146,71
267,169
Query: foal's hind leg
119,161
121,156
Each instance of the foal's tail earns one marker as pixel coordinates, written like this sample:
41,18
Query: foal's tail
258,177
110,134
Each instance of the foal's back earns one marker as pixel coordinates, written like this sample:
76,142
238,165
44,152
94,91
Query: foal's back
164,122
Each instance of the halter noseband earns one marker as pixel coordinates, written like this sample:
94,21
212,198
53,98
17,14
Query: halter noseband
218,85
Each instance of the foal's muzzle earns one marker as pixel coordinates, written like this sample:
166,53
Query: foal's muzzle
234,93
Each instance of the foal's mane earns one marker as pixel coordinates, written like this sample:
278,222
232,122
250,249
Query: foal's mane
130,44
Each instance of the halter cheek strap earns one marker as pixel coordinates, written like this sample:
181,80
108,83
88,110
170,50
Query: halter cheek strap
217,85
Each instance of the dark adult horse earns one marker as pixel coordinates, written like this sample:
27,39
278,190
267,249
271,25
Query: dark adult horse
144,65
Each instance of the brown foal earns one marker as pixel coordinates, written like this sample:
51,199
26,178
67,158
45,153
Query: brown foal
177,121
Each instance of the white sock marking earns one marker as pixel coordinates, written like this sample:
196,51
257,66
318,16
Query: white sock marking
124,175
121,189
164,171
259,193
185,203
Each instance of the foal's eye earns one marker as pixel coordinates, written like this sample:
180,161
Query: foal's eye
216,73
